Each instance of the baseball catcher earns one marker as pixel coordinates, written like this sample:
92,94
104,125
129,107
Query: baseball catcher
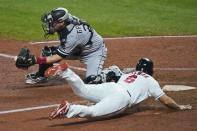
78,41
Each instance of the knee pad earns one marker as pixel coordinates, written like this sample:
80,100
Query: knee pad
109,77
110,74
93,79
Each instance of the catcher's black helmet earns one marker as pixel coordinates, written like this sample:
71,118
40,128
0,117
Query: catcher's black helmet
59,14
56,15
145,65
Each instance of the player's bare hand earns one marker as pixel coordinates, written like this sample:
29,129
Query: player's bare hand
185,107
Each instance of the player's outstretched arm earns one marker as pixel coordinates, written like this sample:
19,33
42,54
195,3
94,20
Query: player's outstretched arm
53,59
170,103
25,59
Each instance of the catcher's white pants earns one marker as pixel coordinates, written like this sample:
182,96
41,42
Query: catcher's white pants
109,98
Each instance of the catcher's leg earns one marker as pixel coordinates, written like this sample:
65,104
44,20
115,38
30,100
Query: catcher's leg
43,68
94,63
46,51
38,77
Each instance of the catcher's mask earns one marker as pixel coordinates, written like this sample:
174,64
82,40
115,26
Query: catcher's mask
145,65
55,16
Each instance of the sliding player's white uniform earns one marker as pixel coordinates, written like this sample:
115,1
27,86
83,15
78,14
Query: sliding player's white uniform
111,98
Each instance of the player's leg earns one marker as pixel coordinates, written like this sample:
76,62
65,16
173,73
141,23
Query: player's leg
90,92
94,63
109,106
37,77
110,98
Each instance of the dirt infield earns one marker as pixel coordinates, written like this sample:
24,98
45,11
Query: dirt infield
149,115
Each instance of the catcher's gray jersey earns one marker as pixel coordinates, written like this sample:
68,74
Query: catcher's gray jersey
81,42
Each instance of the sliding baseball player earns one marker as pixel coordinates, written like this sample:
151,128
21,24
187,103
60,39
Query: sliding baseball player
112,98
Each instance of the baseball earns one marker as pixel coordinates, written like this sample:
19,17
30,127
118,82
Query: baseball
15,58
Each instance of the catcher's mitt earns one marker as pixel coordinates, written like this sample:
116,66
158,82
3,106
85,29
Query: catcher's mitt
25,59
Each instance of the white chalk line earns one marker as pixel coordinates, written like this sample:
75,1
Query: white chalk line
117,38
126,70
28,109
38,107
7,56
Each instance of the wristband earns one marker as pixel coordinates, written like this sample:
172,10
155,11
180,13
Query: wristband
41,60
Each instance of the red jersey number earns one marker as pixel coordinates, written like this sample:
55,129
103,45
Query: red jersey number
132,78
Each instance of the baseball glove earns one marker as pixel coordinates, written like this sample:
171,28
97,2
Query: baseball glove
25,59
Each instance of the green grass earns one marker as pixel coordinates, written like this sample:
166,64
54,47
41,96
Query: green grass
20,19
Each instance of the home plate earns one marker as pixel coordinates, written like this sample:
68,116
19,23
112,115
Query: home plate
177,88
